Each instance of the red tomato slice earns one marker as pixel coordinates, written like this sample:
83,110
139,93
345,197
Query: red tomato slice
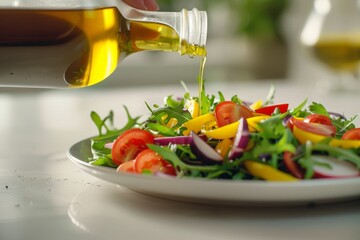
129,144
127,167
268,110
317,128
352,134
318,118
292,166
229,112
153,162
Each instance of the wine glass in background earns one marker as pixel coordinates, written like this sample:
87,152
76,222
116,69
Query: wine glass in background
332,34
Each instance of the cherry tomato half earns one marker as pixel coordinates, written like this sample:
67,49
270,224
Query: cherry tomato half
268,110
153,162
228,112
127,167
352,134
317,128
127,146
318,118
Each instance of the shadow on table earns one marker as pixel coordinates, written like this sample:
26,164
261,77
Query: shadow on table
123,213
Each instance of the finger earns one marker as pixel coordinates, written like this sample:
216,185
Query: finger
136,4
151,5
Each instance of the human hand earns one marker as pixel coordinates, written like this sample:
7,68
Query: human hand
149,5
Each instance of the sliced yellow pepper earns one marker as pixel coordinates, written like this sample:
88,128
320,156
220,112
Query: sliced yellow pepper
223,147
229,131
196,124
193,107
253,122
172,122
304,136
267,172
164,117
256,105
345,143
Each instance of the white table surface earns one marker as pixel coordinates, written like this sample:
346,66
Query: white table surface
45,196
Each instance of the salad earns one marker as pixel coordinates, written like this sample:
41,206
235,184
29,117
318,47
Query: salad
213,137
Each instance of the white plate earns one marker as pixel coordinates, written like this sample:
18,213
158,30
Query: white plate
222,191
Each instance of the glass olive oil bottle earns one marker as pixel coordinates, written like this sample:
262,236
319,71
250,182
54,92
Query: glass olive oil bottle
58,46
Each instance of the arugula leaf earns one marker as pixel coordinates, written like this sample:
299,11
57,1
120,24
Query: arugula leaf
236,99
169,112
221,97
172,103
102,123
342,125
205,103
161,129
181,167
102,155
273,139
270,97
149,108
110,131
318,109
104,160
97,120
306,161
297,110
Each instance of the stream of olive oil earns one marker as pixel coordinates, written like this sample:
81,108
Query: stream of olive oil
201,82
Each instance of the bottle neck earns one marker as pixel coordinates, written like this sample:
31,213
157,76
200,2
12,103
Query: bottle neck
189,29
193,32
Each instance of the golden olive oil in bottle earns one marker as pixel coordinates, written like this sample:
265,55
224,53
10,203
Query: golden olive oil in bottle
82,47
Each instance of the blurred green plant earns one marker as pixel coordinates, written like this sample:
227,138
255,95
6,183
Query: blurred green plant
166,5
256,18
260,18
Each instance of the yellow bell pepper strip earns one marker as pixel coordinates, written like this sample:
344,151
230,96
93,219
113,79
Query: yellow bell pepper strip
196,124
229,131
172,123
347,144
193,107
302,136
267,172
224,146
256,105
253,122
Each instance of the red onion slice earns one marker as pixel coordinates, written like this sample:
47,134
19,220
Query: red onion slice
286,120
241,139
163,175
109,145
203,151
164,141
337,115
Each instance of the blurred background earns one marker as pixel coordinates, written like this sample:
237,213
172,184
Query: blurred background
248,40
